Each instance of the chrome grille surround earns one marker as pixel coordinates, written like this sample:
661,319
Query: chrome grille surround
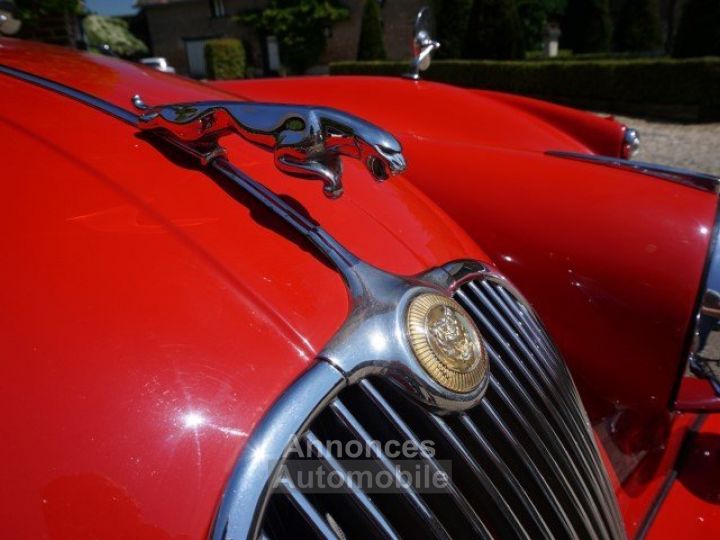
524,460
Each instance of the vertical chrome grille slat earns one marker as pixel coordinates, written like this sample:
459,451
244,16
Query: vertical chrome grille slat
530,325
594,456
577,441
532,406
563,391
552,390
307,510
524,462
543,394
516,485
467,510
417,503
481,475
360,498
538,476
567,389
510,477
488,298
551,456
526,326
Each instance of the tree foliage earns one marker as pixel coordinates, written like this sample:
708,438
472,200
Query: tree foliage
638,26
371,45
698,32
587,27
31,11
534,15
451,22
494,31
225,59
100,30
299,26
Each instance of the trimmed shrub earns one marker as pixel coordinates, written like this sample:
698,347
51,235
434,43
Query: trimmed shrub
451,22
637,86
494,31
371,46
698,32
225,59
638,26
586,26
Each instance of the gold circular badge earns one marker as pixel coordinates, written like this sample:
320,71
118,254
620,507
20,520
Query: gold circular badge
446,342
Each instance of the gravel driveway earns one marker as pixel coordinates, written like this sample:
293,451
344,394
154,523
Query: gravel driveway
693,146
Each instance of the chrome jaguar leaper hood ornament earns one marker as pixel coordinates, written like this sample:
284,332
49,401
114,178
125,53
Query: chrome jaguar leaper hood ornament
306,141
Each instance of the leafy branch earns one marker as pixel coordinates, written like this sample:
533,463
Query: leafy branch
300,27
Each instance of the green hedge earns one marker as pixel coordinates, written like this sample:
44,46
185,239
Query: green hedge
225,59
687,89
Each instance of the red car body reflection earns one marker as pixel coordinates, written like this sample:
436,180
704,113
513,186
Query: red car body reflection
149,320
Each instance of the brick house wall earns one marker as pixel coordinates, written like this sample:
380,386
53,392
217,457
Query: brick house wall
172,24
398,18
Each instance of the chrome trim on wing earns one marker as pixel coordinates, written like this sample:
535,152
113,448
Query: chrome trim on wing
703,344
686,177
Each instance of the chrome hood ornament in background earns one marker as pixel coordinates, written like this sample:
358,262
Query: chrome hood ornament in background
305,141
9,25
423,44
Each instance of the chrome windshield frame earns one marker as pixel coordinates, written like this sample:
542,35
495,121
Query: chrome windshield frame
700,361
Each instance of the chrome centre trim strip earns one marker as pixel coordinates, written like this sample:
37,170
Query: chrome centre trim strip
686,177
341,257
87,99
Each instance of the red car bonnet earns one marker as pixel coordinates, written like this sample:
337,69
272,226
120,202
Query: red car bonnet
151,314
